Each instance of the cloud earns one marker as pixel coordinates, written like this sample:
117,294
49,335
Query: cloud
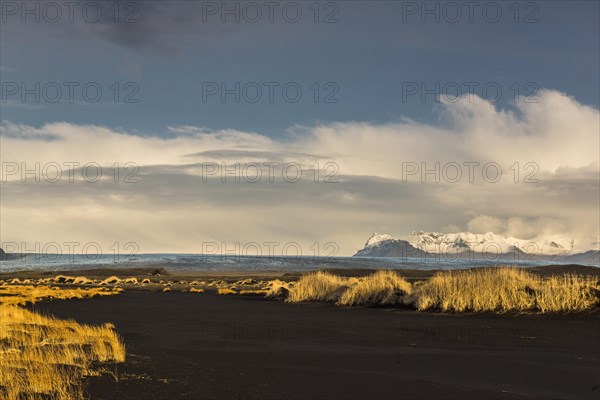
176,196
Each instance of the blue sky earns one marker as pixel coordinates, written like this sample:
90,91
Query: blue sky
372,62
369,54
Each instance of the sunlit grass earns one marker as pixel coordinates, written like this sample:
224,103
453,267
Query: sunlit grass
320,286
277,289
380,288
260,292
226,291
23,294
486,289
504,289
47,358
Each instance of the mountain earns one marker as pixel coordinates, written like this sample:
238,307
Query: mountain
466,244
435,242
386,246
589,257
4,256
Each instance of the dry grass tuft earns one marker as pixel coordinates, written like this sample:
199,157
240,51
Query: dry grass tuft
380,288
44,357
194,290
63,279
260,292
226,291
23,294
82,280
567,293
277,289
320,286
47,358
478,290
502,290
111,280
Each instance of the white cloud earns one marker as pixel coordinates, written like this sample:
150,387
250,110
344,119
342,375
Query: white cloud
557,134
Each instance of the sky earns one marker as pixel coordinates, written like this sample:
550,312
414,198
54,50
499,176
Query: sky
306,123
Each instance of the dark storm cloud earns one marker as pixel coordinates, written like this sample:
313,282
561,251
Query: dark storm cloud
146,26
157,25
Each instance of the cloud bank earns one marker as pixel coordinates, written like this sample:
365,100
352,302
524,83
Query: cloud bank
530,172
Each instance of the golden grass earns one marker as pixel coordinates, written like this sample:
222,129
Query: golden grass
44,357
567,293
62,279
23,294
382,287
226,291
319,286
254,292
277,289
82,280
502,290
111,280
194,290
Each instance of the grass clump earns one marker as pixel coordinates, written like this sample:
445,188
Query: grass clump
82,280
502,290
277,289
226,291
47,358
254,292
319,286
111,280
24,294
381,288
44,357
567,293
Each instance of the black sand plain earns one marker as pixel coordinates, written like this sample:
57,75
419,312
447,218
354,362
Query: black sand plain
206,346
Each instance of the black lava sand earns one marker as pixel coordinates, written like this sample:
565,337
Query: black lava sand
205,346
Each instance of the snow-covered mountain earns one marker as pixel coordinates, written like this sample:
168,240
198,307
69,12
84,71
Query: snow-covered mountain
376,238
385,245
435,242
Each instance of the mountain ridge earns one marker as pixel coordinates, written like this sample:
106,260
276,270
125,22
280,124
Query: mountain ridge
468,244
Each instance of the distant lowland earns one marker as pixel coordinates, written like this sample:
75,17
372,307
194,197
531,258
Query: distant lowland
6,256
420,251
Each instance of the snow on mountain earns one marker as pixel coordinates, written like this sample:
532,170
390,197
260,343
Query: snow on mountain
377,238
436,242
387,246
